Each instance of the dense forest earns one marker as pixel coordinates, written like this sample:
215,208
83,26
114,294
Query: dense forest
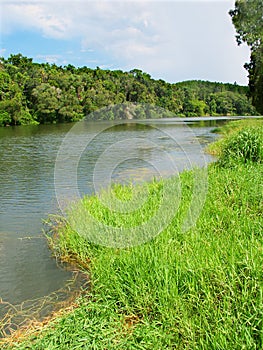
32,93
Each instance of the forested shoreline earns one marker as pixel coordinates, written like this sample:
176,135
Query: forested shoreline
33,93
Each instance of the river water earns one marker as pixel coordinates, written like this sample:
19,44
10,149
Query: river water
28,189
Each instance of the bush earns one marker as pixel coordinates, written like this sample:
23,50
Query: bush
243,146
27,119
5,118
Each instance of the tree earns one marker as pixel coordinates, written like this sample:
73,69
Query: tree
47,100
20,61
247,18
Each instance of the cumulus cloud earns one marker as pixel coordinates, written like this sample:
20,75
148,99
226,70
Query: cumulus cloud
20,15
170,40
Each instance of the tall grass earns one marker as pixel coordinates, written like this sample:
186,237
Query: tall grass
201,289
244,146
229,132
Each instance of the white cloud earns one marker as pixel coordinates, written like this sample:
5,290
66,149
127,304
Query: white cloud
49,58
35,16
170,40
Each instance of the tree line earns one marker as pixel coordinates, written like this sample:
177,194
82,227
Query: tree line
32,93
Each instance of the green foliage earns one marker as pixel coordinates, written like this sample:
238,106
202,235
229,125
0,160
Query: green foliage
5,118
27,119
195,108
255,70
64,94
247,19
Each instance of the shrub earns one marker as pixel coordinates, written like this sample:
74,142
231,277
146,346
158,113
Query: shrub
5,118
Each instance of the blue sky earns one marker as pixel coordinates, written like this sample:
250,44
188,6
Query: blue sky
170,40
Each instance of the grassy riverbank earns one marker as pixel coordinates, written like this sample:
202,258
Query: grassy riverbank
200,289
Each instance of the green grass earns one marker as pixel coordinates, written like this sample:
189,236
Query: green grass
200,289
230,134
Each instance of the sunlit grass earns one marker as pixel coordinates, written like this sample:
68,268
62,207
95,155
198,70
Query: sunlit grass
229,130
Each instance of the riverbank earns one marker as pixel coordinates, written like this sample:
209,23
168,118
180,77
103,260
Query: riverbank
199,289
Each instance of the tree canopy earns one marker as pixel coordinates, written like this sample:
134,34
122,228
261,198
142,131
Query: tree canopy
46,93
247,18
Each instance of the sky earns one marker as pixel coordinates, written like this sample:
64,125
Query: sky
170,40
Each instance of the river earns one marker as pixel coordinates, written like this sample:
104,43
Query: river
28,156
